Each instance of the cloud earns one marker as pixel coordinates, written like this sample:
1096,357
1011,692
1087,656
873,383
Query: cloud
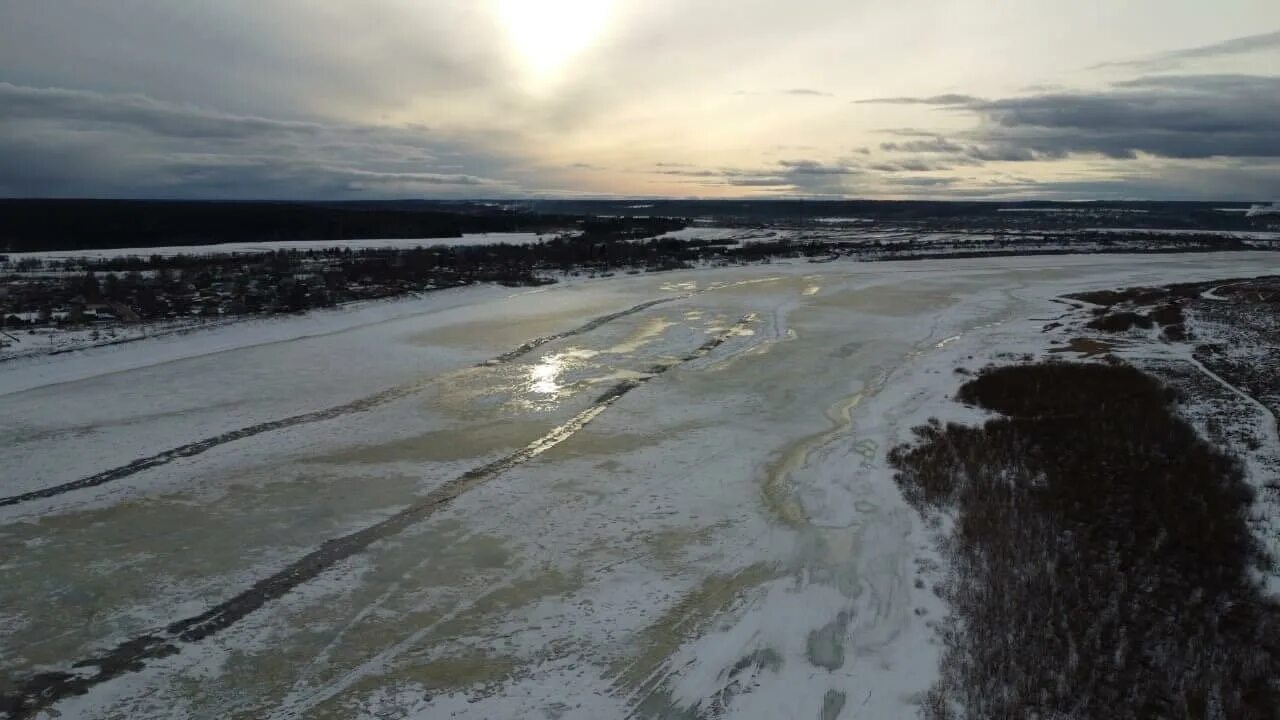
1193,116
807,92
1169,60
1170,116
934,145
65,142
909,132
776,181
806,177
813,178
942,100
137,111
943,154
793,92
273,57
925,182
915,165
698,173
405,179
1008,152
1189,181
813,167
1164,136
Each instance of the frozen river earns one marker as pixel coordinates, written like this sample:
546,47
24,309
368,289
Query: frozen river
648,496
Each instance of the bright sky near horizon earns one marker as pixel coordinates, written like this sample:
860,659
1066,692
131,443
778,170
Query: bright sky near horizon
301,99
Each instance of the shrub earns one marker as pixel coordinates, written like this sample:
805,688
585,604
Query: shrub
1170,314
1121,322
1100,555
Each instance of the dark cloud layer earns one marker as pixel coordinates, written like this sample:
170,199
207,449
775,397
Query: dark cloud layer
810,178
933,145
298,99
914,165
1236,46
1171,116
1254,182
72,142
138,112
272,57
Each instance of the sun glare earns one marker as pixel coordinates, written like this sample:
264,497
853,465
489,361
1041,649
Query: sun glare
547,34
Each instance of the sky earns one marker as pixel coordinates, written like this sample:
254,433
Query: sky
938,99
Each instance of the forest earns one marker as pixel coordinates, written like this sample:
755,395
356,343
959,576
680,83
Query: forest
1101,562
42,225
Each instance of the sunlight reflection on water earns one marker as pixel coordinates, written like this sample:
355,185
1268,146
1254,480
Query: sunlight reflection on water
545,377
545,374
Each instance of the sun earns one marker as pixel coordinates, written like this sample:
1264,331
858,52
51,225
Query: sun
545,35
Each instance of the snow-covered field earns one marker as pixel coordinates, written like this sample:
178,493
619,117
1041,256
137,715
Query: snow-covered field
514,238
853,230
1177,232
684,506
725,235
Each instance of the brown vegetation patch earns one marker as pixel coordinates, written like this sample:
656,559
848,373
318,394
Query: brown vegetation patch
1100,555
1110,298
1260,289
1086,347
1121,322
1146,296
1170,314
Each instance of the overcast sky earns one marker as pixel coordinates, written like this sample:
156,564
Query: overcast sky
1058,99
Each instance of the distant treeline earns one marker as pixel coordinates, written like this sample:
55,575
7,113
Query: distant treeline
39,291
41,225
157,287
941,215
45,225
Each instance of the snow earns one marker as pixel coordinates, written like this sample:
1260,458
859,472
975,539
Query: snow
468,240
727,535
728,235
159,344
1081,210
1156,232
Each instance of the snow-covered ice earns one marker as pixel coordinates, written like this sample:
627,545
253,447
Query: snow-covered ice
726,535
467,240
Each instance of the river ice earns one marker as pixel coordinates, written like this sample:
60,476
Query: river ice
683,508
